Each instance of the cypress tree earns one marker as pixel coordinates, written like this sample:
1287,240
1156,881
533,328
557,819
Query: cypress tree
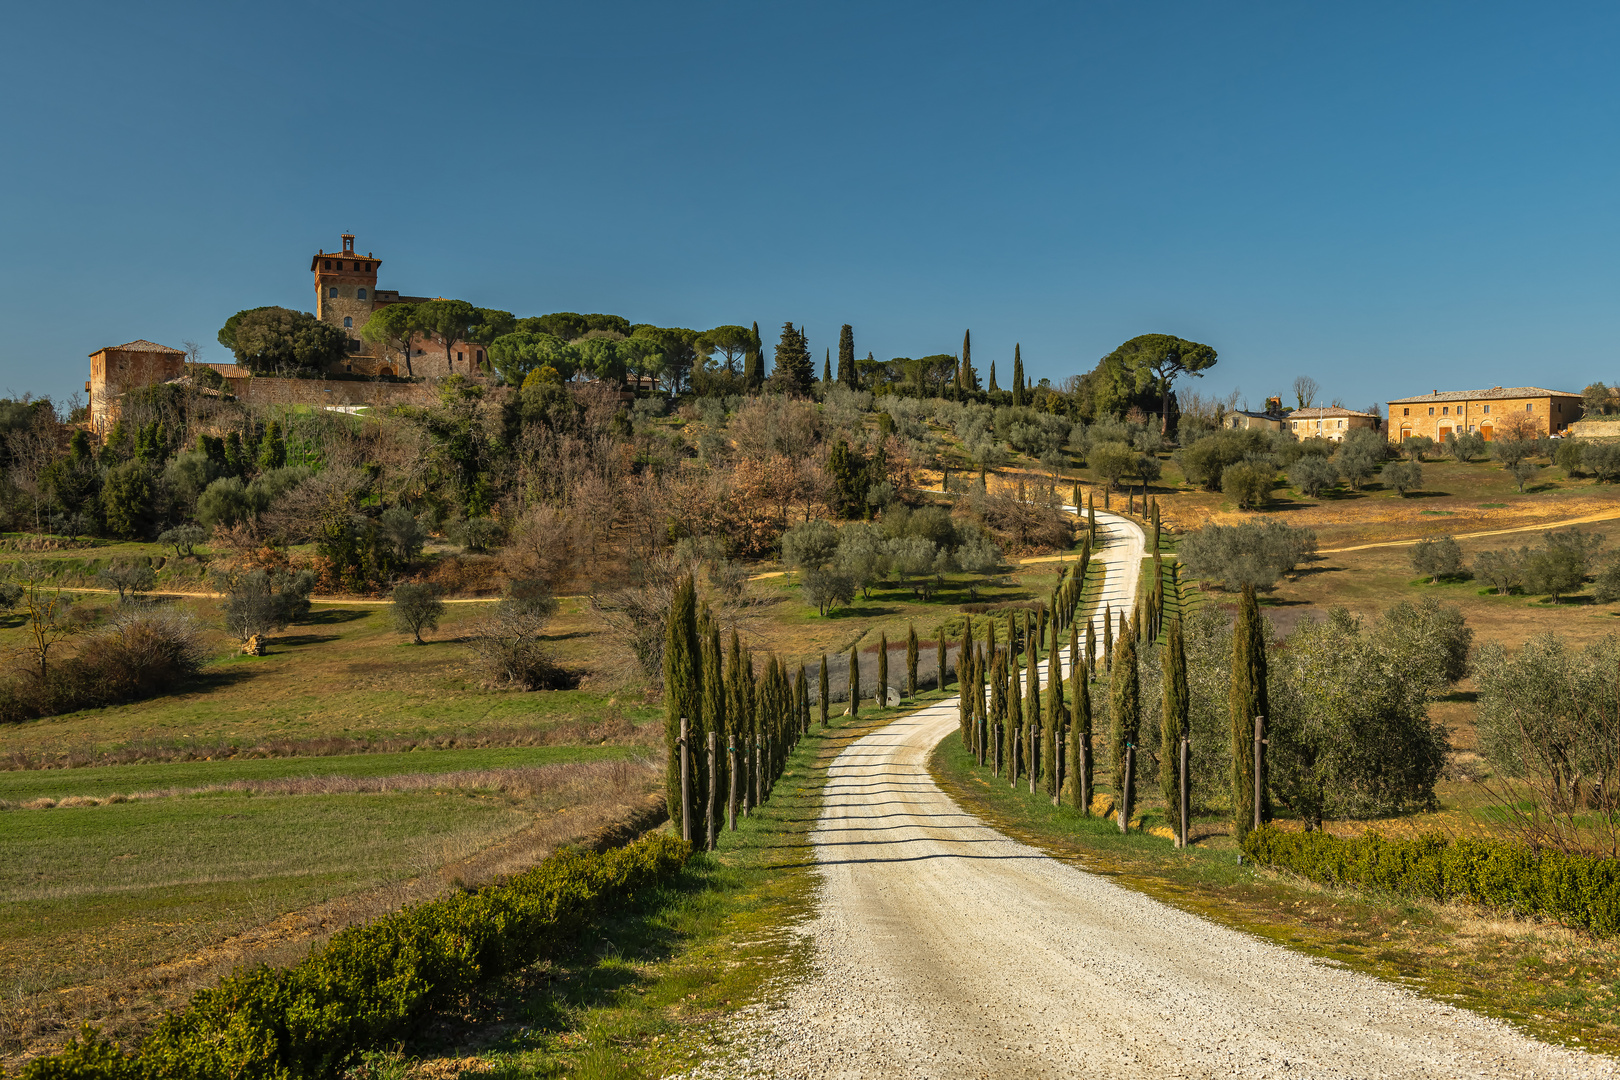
801,703
854,681
1032,715
1174,724
826,369
883,670
1108,638
1248,700
1015,719
737,718
1091,516
967,378
751,729
1055,712
1124,712
822,690
1019,397
846,356
1091,643
941,648
998,701
273,451
714,718
993,388
681,689
911,661
1080,753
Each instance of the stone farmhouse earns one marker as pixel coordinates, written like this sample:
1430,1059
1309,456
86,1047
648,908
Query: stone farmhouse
1328,422
1485,412
118,368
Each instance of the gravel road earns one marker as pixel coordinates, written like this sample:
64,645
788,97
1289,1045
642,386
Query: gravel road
945,949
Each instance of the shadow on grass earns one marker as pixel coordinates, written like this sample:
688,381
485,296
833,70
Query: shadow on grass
334,616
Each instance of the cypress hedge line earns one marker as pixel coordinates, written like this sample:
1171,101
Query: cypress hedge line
1578,890
375,982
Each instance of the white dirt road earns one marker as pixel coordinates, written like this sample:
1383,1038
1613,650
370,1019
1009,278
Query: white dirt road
945,949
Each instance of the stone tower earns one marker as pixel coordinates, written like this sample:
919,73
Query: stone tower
345,290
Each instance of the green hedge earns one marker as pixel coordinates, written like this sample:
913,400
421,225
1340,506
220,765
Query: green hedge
1579,890
373,983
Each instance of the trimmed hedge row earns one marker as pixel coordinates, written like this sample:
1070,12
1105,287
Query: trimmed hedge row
372,983
1578,890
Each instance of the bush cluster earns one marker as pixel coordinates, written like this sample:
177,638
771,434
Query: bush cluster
373,983
137,656
1579,890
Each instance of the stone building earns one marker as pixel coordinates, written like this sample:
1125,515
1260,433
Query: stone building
346,294
118,368
1273,419
1328,422
1485,412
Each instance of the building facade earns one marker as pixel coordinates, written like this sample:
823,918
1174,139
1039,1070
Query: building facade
346,295
1328,422
118,368
1520,410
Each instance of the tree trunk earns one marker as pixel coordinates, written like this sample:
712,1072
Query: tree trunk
714,782
1128,795
686,785
731,791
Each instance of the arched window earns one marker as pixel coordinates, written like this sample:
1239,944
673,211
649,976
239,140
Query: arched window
361,294
348,323
331,294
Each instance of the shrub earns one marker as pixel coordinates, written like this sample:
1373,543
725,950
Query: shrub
416,608
1404,476
137,656
1254,553
377,982
404,531
1435,559
508,643
1312,474
1602,459
128,577
259,601
183,538
1246,484
1579,890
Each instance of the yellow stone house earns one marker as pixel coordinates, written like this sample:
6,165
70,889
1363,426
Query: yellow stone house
1521,410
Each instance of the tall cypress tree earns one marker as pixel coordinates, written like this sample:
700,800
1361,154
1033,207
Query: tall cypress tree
682,693
822,691
1032,711
1124,710
993,388
1108,638
941,648
911,661
846,356
854,681
1019,397
883,670
826,370
714,719
753,374
1055,714
801,703
1174,724
1015,718
737,717
1081,764
1248,700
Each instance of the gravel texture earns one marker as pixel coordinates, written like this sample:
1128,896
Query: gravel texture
945,949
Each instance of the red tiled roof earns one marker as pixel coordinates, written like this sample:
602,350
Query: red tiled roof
1326,412
140,345
1495,393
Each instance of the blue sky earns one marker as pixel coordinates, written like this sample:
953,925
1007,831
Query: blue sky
1390,198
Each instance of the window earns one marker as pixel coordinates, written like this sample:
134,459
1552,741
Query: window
354,346
348,323
1431,410
480,356
1487,410
1527,406
327,265
361,294
331,294
1341,425
1406,412
1445,410
458,357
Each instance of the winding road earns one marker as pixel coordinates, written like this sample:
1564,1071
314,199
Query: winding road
945,949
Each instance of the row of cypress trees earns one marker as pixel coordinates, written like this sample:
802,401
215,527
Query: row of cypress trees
757,718
1002,715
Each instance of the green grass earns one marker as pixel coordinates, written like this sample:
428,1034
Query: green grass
22,785
1556,984
103,891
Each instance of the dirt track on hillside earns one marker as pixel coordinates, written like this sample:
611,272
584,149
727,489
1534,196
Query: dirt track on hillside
945,949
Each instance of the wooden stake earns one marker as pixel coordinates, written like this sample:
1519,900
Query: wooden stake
686,784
